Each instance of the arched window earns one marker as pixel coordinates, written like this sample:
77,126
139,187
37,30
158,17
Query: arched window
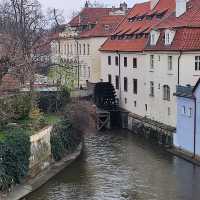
166,93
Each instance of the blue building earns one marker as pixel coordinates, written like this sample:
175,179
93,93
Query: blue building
187,136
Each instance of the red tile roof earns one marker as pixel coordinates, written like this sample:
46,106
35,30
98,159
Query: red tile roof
187,28
105,26
190,18
9,83
89,16
128,45
127,27
186,39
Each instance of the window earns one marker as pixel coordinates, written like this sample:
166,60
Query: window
169,111
65,49
170,63
146,107
134,62
197,63
125,100
125,84
152,61
75,49
135,103
116,60
117,82
166,93
68,49
125,62
88,49
109,78
183,110
71,49
152,39
167,38
83,49
107,27
151,88
135,86
190,112
80,49
109,60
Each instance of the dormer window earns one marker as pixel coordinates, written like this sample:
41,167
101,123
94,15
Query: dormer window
154,36
169,36
106,27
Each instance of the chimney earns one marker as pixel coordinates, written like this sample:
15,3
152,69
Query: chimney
123,6
113,8
181,7
153,3
86,4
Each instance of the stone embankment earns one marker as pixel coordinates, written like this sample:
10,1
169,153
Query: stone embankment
31,185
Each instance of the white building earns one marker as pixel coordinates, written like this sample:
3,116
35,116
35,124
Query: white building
84,35
153,50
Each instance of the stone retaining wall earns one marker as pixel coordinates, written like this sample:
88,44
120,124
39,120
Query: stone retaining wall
40,151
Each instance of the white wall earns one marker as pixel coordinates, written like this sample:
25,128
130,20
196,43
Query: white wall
188,75
89,63
157,107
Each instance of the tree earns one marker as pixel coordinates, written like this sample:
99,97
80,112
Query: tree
97,4
23,25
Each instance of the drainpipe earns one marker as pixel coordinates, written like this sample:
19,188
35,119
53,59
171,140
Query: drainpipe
119,58
78,62
195,123
179,58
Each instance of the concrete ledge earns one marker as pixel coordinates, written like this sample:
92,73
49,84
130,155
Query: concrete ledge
184,156
22,190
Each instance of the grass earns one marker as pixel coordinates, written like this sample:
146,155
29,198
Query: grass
51,119
32,126
2,135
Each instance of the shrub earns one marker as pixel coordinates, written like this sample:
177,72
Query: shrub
14,107
53,101
63,139
15,153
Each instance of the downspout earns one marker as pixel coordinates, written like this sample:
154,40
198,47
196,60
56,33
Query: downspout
119,58
179,58
195,123
78,61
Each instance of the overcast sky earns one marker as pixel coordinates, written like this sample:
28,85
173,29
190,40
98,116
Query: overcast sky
68,6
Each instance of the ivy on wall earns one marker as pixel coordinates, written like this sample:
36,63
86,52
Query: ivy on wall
64,139
14,157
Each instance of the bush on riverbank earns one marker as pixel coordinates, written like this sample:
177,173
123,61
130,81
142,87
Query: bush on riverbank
14,157
14,107
53,101
64,139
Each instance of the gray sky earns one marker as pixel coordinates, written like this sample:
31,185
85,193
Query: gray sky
68,6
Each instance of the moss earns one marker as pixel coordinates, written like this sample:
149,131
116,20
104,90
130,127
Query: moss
2,135
52,119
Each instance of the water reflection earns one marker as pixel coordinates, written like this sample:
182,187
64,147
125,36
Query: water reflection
121,166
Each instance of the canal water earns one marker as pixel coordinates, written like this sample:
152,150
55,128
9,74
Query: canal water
121,166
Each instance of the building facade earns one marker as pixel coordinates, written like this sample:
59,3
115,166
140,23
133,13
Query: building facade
82,38
157,48
187,137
